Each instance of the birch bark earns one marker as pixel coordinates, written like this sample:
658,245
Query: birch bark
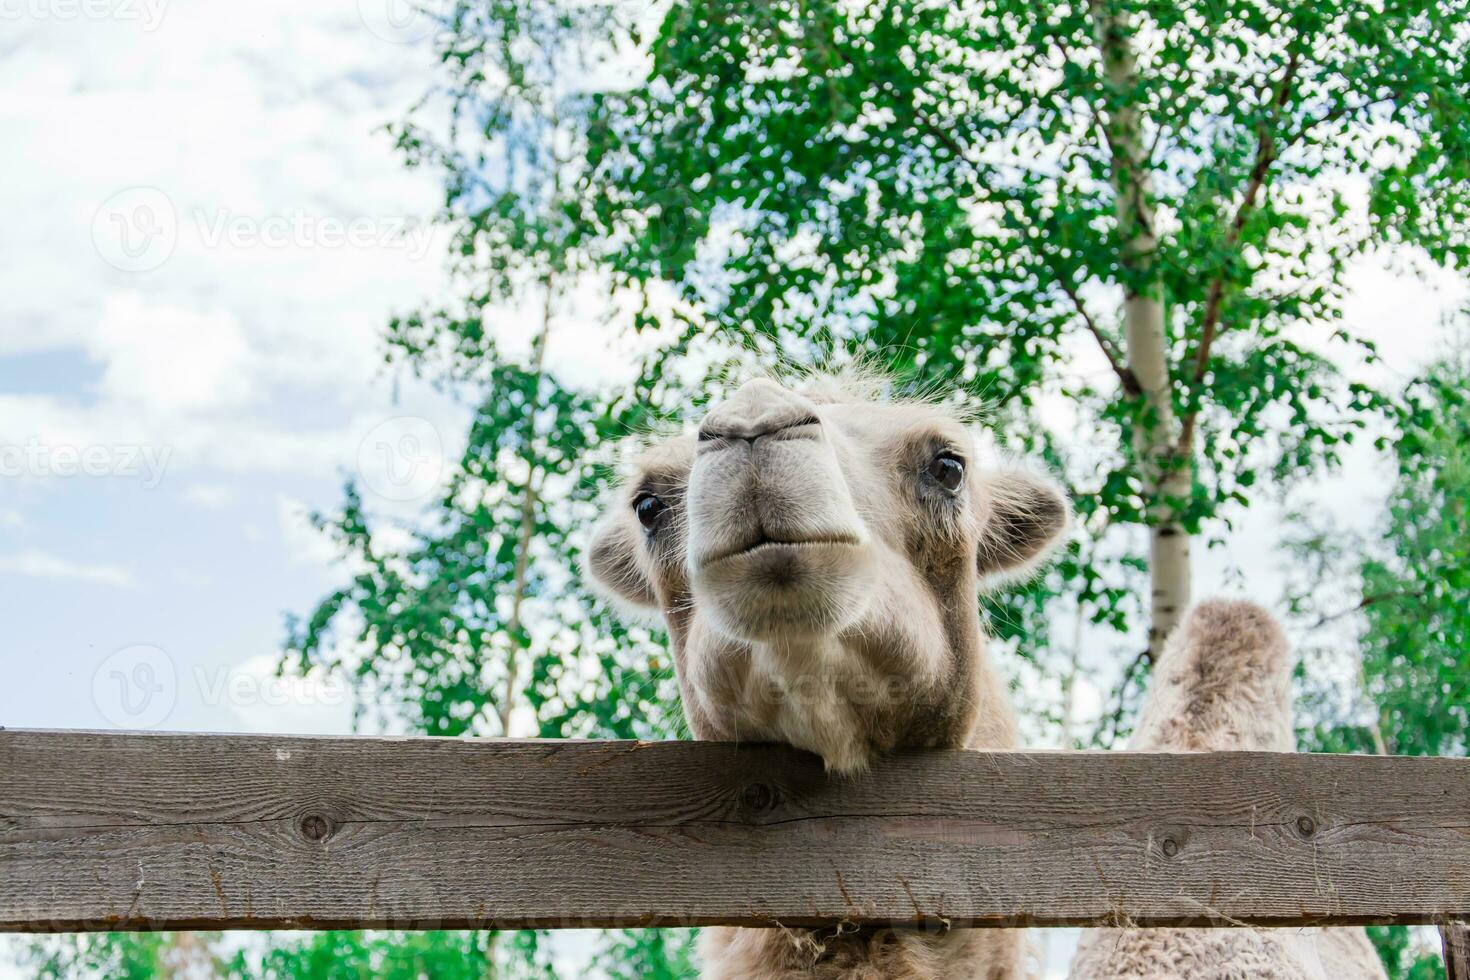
1165,472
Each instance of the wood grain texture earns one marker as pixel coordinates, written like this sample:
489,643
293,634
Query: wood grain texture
1456,939
160,831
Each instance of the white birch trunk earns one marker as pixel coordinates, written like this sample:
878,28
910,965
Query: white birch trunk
527,523
1167,478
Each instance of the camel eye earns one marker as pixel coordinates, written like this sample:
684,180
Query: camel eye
648,508
947,470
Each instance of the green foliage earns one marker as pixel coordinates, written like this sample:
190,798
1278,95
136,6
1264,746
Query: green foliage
117,957
938,185
1408,588
649,954
1416,643
932,182
364,955
373,955
434,626
1401,958
483,613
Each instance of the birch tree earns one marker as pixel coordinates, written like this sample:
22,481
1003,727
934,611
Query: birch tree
987,191
471,619
447,623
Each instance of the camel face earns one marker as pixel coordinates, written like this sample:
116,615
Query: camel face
816,555
793,516
777,544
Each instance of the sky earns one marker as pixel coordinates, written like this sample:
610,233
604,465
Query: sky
206,231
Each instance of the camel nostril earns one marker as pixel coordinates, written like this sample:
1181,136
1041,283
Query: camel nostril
715,430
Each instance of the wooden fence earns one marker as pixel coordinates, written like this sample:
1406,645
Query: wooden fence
145,831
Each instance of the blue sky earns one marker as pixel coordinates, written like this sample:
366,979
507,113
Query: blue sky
206,230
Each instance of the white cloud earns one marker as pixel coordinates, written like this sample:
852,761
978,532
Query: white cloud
209,496
393,539
264,701
168,360
211,351
1403,313
204,447
39,564
304,544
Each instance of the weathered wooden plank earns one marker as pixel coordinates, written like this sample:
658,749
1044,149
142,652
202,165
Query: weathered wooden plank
153,831
1456,939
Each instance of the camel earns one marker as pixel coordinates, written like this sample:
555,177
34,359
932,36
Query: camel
1222,683
815,553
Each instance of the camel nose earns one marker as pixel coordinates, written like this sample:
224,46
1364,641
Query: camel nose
758,408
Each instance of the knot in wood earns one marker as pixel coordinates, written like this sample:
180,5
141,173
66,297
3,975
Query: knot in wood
1170,847
1306,826
315,827
758,797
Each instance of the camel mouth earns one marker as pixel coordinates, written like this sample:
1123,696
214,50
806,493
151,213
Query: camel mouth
768,545
786,587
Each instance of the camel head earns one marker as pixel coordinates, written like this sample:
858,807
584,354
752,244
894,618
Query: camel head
803,544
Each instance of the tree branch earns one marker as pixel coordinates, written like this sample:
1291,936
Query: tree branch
1365,602
1125,374
1112,723
1260,168
528,518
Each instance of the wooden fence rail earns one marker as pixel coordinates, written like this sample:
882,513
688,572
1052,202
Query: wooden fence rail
124,831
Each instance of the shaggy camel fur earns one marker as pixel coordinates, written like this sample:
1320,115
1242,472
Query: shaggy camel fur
815,556
1224,682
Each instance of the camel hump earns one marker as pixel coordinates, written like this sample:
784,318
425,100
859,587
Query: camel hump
1223,683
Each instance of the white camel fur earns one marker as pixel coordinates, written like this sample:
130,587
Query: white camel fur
816,556
1223,682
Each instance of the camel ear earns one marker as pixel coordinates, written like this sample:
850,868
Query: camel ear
1026,516
615,567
